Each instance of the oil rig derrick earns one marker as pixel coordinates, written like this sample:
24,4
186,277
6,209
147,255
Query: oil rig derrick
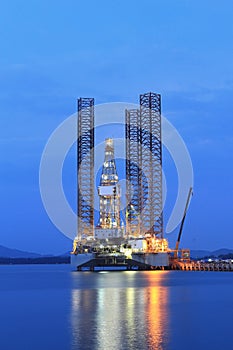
109,192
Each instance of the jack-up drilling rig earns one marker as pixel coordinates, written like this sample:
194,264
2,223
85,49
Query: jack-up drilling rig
139,244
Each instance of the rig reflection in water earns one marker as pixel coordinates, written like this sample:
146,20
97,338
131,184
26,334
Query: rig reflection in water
109,315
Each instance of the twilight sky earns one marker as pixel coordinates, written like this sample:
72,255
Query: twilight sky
54,51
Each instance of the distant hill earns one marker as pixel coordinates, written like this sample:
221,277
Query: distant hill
15,253
223,251
66,253
15,256
197,254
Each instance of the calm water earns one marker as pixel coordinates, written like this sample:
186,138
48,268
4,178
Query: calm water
50,307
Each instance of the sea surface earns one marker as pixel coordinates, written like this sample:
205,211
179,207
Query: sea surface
50,307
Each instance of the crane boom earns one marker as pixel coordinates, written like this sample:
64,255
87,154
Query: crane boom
182,221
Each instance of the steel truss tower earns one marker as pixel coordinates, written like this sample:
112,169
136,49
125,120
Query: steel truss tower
144,149
85,164
151,141
133,176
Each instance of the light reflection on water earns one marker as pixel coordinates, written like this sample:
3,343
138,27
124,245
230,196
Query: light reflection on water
120,311
66,310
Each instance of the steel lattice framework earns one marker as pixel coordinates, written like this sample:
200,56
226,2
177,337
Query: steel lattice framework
85,164
133,171
144,149
151,141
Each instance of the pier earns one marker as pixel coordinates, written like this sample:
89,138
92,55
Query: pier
201,266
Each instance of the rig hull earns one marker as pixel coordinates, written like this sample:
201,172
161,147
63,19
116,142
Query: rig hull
153,259
121,262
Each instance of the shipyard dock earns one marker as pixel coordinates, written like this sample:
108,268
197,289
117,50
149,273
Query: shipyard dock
193,265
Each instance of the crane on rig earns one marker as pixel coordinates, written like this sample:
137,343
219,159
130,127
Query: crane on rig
182,223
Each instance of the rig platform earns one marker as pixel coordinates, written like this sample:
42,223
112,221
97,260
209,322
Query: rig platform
132,254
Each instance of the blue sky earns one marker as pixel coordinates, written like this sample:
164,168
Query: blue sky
53,52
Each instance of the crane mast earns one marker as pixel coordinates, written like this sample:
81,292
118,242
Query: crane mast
182,222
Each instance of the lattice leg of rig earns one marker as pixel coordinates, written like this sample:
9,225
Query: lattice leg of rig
133,178
150,124
85,155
